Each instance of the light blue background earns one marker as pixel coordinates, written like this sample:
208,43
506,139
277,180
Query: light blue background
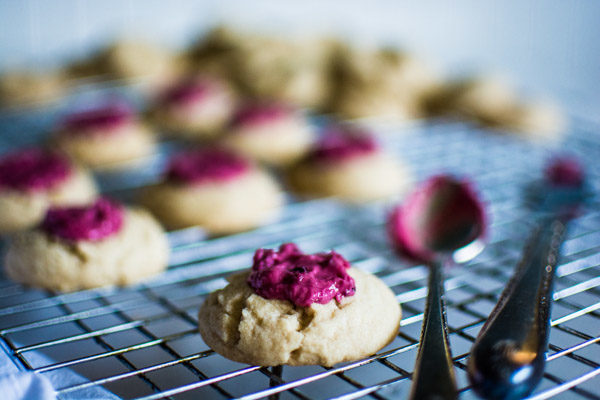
547,47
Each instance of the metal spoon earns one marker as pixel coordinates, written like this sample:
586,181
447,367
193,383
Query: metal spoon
442,221
508,357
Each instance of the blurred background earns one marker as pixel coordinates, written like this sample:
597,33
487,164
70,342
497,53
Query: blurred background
546,47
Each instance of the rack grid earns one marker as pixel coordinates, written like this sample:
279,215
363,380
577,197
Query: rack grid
142,342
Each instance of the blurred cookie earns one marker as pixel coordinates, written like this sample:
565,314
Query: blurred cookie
105,136
536,120
216,52
492,101
137,59
23,89
382,83
350,165
86,247
486,99
299,309
214,189
294,72
32,180
272,133
194,108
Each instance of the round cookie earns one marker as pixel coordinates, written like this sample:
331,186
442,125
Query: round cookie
195,108
492,101
32,180
216,52
350,166
384,84
28,88
104,137
536,120
132,58
214,189
265,329
272,133
295,72
87,247
487,99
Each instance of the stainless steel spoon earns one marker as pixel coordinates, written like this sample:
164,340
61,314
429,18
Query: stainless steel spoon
442,221
508,357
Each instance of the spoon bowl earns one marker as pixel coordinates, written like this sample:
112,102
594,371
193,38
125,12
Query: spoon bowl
442,218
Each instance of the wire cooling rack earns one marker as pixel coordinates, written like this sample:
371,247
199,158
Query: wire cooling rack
141,342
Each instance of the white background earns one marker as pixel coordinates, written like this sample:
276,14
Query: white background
547,47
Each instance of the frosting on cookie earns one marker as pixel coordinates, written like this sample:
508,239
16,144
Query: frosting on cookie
33,170
205,165
260,113
303,279
92,223
188,92
101,120
564,171
338,144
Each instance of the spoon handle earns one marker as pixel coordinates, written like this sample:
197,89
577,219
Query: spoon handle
434,372
508,357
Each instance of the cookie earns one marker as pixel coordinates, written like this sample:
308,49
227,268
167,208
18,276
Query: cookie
536,120
216,52
32,180
493,102
267,317
354,102
272,133
486,99
194,108
214,189
351,166
106,136
28,88
380,83
294,72
132,58
86,247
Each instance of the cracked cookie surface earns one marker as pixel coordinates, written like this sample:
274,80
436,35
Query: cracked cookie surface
245,327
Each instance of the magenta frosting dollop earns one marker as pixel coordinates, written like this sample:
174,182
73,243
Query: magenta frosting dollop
187,92
564,171
339,143
260,113
33,170
103,119
303,279
205,165
92,222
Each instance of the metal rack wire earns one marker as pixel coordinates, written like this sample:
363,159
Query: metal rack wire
141,342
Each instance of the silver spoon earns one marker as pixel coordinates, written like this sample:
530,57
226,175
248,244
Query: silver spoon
441,222
508,358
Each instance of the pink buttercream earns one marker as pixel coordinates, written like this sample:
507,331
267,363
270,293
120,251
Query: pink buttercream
340,144
101,120
92,223
188,92
564,171
440,204
303,279
205,165
260,113
33,170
